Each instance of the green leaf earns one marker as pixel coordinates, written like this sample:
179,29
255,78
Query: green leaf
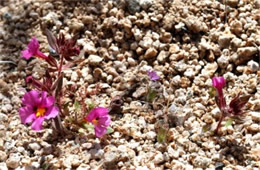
76,106
91,106
161,135
229,122
151,95
81,130
109,130
88,126
206,128
45,166
212,92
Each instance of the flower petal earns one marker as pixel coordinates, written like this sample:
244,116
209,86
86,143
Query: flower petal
32,98
37,124
27,114
152,75
104,120
218,82
26,54
100,131
47,101
97,112
33,46
52,112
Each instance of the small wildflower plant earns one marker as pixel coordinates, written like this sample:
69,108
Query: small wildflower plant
46,99
236,105
151,93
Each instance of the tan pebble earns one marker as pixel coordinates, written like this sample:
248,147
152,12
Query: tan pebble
150,53
87,20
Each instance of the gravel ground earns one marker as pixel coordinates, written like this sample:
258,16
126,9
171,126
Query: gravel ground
186,42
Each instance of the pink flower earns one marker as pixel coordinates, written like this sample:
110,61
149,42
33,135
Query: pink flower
37,108
152,75
100,119
33,50
219,83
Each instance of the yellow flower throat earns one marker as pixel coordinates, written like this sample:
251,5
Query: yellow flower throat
40,111
95,121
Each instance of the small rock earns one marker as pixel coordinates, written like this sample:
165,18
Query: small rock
236,43
253,66
255,116
159,158
7,108
200,161
190,73
257,3
245,54
3,166
195,25
224,40
3,117
76,26
74,76
83,167
94,60
110,159
162,56
150,53
131,61
96,153
89,48
166,37
146,42
119,65
87,20
112,71
151,135
232,3
97,73
34,146
33,14
174,48
133,6
51,18
13,161
3,156
254,127
145,4
223,61
236,27
21,65
36,165
140,92
209,69
71,161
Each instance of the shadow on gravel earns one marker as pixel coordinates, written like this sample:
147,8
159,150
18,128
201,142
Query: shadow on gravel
231,148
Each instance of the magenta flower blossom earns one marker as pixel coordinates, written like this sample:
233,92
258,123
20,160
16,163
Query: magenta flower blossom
100,119
219,83
33,50
152,75
37,108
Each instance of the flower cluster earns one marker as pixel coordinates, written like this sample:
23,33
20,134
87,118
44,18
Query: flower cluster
235,107
45,102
